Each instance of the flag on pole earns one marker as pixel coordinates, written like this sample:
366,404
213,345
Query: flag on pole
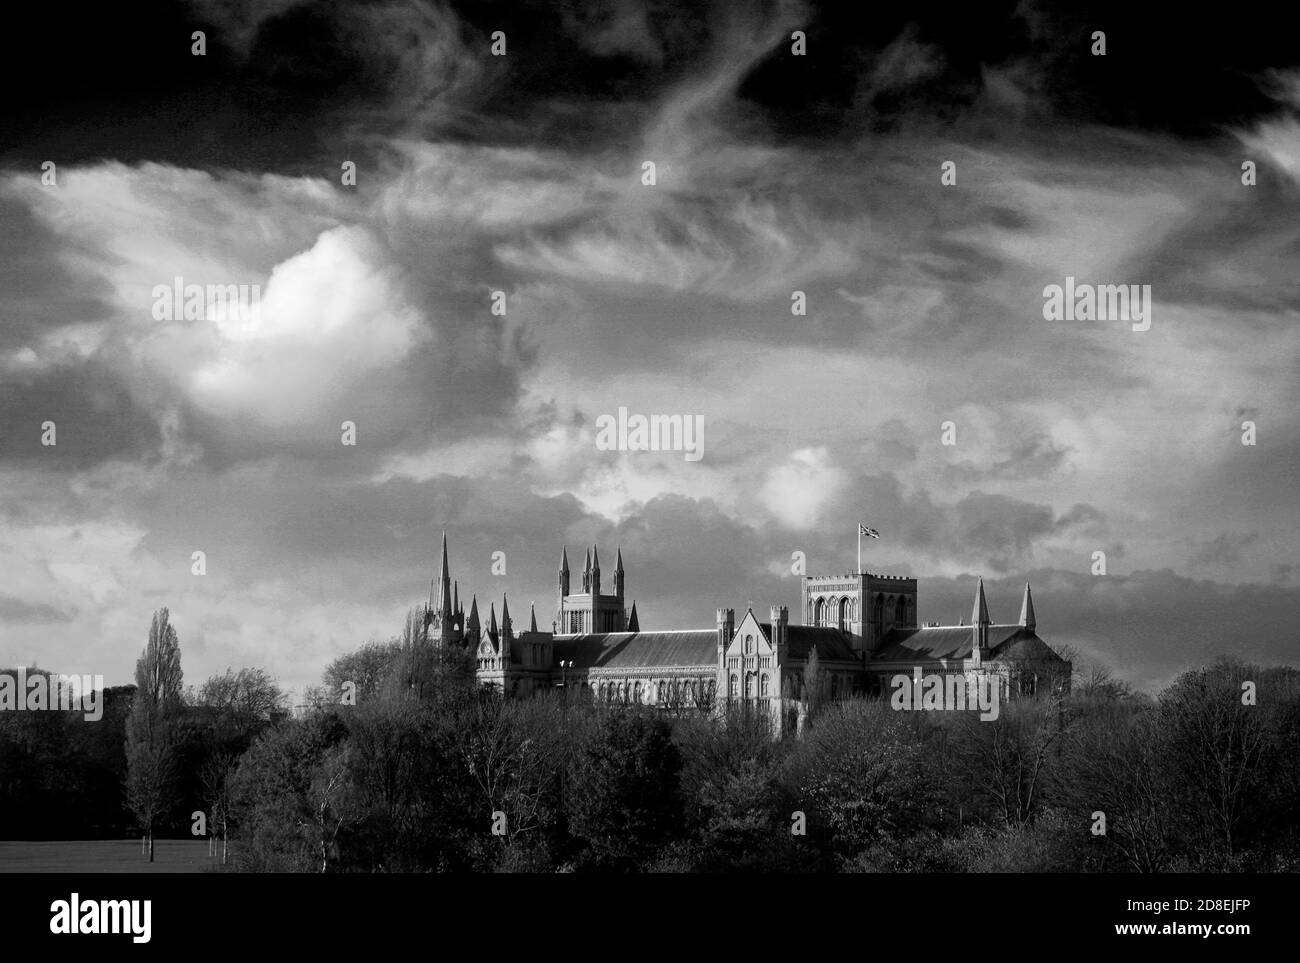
871,532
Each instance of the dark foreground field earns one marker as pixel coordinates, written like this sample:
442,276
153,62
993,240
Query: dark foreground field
106,856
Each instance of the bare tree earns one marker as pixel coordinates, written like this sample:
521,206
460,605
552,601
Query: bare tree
150,768
250,695
214,777
330,797
1114,765
1216,743
512,760
1005,759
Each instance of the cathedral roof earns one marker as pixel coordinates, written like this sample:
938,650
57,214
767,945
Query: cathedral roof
954,642
640,650
830,642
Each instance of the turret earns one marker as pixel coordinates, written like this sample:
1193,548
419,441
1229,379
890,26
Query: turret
586,573
780,627
726,629
618,575
595,572
1027,611
632,624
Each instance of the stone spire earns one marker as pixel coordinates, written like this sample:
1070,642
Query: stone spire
506,628
979,621
595,571
632,624
471,623
532,617
440,594
1027,610
618,574
586,573
980,613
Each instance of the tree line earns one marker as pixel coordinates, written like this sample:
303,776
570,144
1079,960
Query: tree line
418,768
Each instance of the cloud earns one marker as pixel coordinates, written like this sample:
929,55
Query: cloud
332,318
799,491
1224,550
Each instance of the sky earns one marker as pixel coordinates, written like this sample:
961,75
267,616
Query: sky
523,173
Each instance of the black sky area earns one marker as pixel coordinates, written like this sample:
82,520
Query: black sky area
118,80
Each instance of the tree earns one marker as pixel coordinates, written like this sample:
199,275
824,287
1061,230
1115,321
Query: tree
150,764
622,790
248,697
1114,765
366,669
215,775
514,753
1216,745
814,687
1004,761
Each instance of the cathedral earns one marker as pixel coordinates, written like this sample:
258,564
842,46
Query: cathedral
861,627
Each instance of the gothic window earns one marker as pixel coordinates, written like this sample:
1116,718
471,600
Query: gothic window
819,612
879,616
636,692
900,613
734,685
763,691
749,645
749,685
844,614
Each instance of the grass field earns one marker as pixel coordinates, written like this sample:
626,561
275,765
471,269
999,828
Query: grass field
106,856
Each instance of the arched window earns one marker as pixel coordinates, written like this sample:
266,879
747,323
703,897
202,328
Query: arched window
763,686
900,611
749,645
844,614
819,612
734,685
879,616
749,685
636,692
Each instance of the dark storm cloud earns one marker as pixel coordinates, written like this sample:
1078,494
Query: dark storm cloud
19,610
94,416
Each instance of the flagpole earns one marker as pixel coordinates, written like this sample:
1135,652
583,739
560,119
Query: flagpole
859,572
